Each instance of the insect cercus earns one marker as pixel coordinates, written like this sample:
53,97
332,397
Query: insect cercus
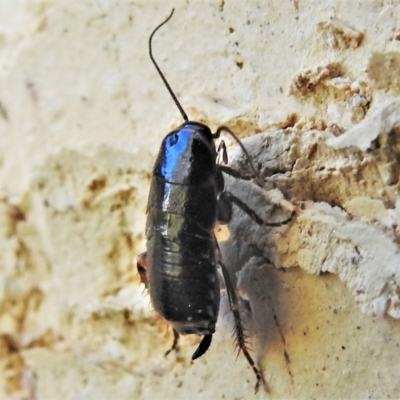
187,199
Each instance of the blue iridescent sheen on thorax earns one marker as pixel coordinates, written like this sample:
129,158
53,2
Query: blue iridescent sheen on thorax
187,155
175,151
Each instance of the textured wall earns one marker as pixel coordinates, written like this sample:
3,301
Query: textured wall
313,85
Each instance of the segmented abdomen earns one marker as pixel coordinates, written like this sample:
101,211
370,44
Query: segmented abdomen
181,255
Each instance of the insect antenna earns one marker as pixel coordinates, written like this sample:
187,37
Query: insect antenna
174,98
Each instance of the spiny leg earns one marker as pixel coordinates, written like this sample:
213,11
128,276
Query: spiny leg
174,343
203,346
239,329
251,213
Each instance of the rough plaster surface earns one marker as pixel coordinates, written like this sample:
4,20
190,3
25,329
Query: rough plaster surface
314,88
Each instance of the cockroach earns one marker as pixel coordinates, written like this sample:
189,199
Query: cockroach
187,199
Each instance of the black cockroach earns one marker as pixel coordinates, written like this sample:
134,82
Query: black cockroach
187,198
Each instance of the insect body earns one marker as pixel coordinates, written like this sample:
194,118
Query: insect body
181,249
187,198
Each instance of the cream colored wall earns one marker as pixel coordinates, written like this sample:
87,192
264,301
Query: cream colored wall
82,114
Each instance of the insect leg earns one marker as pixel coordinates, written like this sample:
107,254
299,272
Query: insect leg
235,173
217,134
203,346
239,329
141,263
228,196
174,343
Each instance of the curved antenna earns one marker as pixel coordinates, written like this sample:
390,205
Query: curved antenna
184,116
